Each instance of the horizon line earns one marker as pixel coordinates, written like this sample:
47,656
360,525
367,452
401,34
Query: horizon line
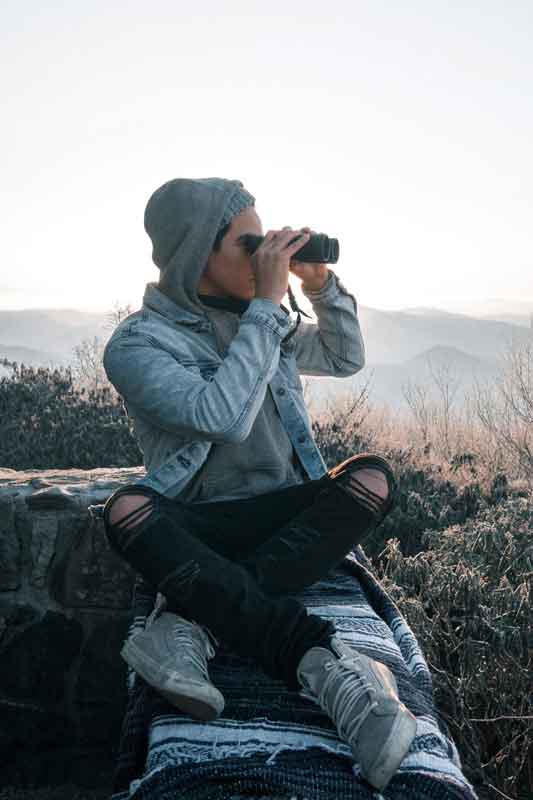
401,309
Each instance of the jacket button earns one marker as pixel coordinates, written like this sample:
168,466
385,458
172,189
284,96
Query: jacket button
281,391
302,438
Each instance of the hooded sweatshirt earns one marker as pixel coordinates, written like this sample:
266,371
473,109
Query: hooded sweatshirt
182,218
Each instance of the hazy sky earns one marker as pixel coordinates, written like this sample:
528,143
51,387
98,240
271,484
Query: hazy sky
403,129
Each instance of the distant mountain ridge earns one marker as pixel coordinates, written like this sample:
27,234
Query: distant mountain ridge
390,336
389,381
398,344
443,354
526,320
51,332
32,357
394,337
522,317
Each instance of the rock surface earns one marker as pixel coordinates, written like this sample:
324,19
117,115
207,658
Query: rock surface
64,613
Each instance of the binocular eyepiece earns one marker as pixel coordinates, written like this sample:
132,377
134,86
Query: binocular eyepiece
319,248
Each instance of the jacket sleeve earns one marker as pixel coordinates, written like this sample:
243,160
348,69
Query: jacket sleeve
335,345
175,398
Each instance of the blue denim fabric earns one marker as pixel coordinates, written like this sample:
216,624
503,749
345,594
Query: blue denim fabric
182,395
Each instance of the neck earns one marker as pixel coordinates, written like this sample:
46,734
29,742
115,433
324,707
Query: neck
236,304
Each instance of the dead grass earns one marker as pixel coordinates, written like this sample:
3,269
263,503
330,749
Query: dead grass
456,555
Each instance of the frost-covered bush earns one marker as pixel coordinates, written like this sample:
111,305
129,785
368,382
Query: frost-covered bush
46,422
468,598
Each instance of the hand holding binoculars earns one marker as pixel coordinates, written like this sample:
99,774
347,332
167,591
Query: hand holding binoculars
273,254
319,249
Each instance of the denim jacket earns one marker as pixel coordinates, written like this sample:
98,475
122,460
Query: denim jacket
182,395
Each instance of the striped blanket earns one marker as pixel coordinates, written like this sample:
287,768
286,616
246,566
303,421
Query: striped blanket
271,742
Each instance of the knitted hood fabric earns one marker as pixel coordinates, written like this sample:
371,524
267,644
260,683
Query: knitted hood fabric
182,218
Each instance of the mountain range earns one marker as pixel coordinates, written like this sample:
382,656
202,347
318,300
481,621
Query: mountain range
400,346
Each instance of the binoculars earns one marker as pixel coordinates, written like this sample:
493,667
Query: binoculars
319,248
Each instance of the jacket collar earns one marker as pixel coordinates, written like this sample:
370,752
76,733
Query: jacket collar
158,301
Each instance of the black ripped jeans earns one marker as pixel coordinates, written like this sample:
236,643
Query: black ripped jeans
233,566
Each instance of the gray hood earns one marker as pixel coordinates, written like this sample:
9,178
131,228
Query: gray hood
182,218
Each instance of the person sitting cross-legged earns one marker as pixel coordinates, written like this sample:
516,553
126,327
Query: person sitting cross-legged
209,373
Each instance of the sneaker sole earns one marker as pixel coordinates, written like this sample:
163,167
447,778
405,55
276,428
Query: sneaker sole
202,701
393,752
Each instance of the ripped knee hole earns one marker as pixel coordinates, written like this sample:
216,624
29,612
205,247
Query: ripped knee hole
129,510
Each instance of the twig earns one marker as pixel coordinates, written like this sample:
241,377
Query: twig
497,790
506,747
496,719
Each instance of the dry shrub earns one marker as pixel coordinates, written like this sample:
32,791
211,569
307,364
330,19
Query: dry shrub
455,552
468,599
456,555
46,422
430,494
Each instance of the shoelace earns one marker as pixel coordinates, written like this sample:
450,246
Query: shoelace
193,648
159,607
345,667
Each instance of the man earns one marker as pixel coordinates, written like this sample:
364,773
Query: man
238,511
